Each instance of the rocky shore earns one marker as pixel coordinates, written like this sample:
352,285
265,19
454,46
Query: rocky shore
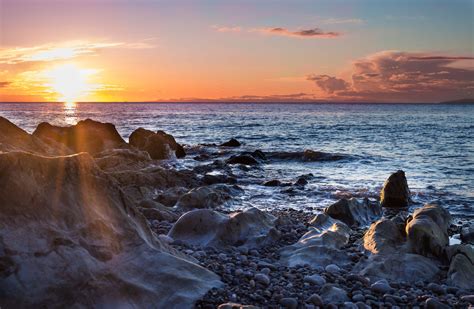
90,220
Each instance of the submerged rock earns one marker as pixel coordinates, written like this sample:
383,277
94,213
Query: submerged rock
311,155
159,145
427,232
461,267
71,238
383,236
231,143
86,136
353,212
244,159
395,192
203,227
320,246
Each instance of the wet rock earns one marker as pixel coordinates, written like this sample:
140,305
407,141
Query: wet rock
381,287
209,179
461,267
231,143
352,212
311,155
320,245
433,303
12,138
207,197
155,211
301,181
171,196
315,279
332,294
467,234
262,278
81,238
398,266
289,302
383,236
86,136
395,192
251,228
427,232
272,183
159,145
242,159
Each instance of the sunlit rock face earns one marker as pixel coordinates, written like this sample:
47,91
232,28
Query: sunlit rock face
353,212
395,192
203,227
86,136
12,138
383,236
159,145
71,238
427,232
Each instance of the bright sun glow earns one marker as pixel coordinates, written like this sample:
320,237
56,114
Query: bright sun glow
70,83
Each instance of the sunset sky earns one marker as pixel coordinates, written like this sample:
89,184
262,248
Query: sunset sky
105,50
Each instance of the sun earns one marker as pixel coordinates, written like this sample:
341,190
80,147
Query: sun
70,83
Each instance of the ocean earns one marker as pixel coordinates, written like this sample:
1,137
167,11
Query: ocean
432,143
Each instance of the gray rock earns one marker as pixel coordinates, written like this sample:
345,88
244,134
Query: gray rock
204,227
358,297
208,196
332,294
395,192
433,303
381,287
349,305
289,302
316,300
262,278
333,269
315,279
427,232
159,145
468,298
383,236
461,267
236,306
352,212
467,234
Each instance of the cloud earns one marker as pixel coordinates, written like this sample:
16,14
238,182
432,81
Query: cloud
227,29
328,83
304,33
403,76
62,51
334,21
292,97
4,84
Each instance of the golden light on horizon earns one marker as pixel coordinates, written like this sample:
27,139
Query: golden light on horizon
70,83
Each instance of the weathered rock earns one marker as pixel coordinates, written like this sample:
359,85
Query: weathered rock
461,267
242,159
333,294
208,197
381,287
12,138
467,234
316,300
311,155
86,136
433,303
320,245
272,183
398,266
236,306
203,227
122,159
353,212
289,302
395,191
427,232
155,211
72,238
170,197
159,145
383,236
209,179
231,143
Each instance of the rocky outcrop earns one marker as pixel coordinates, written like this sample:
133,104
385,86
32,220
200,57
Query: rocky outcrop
71,238
383,237
244,159
427,232
122,159
395,192
159,145
153,210
12,138
315,156
86,136
461,267
352,212
467,234
320,246
231,143
208,196
203,227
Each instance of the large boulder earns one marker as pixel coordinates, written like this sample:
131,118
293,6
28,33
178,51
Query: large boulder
71,238
122,159
86,136
427,231
461,267
159,145
352,212
203,227
320,246
208,196
395,192
383,237
12,138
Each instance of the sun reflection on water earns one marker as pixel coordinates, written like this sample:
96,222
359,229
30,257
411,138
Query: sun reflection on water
69,109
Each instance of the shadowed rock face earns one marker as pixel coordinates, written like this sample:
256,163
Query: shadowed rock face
12,138
158,145
352,212
208,196
383,236
70,237
427,232
203,227
461,267
86,136
395,192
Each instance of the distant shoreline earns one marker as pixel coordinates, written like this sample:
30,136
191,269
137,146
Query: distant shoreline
458,102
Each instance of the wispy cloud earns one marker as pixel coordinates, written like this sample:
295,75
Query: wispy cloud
227,29
4,84
279,31
334,21
63,50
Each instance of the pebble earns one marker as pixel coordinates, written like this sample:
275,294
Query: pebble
316,300
262,278
468,298
333,269
315,279
433,303
349,305
358,297
289,302
438,289
381,287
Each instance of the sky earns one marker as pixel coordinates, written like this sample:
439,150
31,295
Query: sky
319,50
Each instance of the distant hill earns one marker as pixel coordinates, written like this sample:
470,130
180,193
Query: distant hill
460,101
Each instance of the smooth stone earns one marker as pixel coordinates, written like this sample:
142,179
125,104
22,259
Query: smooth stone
333,269
349,305
289,302
332,294
381,287
468,298
316,300
262,278
433,303
358,297
315,279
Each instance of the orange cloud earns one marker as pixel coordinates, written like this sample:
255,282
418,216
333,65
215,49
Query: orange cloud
304,33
